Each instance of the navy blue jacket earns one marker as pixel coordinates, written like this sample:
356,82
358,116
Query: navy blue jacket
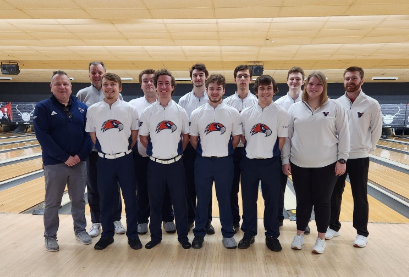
59,135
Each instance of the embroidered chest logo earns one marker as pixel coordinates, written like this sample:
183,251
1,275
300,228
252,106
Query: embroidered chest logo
215,127
166,124
325,113
360,114
81,110
112,124
261,128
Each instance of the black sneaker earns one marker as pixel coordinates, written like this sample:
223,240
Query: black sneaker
197,242
135,243
210,229
103,243
236,228
246,242
152,244
186,244
307,230
273,244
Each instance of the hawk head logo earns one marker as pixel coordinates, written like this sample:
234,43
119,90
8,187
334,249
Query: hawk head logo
325,113
360,114
261,128
111,124
215,127
166,124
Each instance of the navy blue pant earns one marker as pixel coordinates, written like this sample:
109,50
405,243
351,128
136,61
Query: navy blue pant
141,169
357,169
110,173
313,187
173,176
93,195
219,170
283,185
237,157
268,172
189,157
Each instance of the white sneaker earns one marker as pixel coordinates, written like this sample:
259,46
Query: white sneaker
360,241
169,227
298,242
229,243
142,228
319,246
331,233
95,230
119,228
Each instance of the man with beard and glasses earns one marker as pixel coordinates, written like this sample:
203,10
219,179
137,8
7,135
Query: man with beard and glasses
215,130
191,101
91,95
365,125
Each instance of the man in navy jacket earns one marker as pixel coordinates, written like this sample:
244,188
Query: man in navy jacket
59,124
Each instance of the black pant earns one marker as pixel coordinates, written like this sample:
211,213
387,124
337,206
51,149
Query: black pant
357,169
283,185
237,157
189,157
313,187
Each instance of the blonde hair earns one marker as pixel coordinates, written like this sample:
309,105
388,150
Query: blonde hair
323,80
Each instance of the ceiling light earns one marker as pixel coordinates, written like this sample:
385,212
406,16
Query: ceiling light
6,78
384,78
182,79
126,79
71,78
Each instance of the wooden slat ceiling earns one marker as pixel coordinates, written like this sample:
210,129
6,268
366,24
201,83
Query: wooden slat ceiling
131,35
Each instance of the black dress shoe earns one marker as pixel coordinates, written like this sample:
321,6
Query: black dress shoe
135,243
236,228
210,229
246,242
197,242
273,244
103,243
186,245
152,244
307,230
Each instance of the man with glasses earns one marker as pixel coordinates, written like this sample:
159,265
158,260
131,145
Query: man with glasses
240,100
59,124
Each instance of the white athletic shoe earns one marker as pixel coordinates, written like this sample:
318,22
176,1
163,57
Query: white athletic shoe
360,241
95,230
169,227
331,233
319,246
119,228
298,242
142,228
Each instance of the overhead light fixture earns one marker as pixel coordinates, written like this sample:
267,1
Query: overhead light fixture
384,78
6,78
126,79
182,79
71,78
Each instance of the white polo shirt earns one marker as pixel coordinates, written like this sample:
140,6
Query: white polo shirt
286,101
190,102
164,126
214,127
262,127
140,104
240,104
112,125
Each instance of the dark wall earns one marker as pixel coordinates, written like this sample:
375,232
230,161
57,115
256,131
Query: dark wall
385,93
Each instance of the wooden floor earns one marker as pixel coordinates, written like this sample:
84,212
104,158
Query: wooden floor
394,145
22,254
394,156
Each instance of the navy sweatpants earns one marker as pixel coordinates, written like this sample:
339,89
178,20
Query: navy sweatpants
268,172
173,176
110,173
219,170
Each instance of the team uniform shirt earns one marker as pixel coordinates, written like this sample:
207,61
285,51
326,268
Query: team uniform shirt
164,126
140,104
261,127
365,124
191,102
286,101
112,125
240,104
90,95
214,127
316,138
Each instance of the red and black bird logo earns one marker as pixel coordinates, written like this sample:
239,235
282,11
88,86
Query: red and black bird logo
111,124
325,113
215,127
261,128
360,114
166,124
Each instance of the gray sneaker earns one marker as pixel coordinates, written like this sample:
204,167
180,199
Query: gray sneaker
51,244
229,243
83,237
119,228
169,227
142,228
